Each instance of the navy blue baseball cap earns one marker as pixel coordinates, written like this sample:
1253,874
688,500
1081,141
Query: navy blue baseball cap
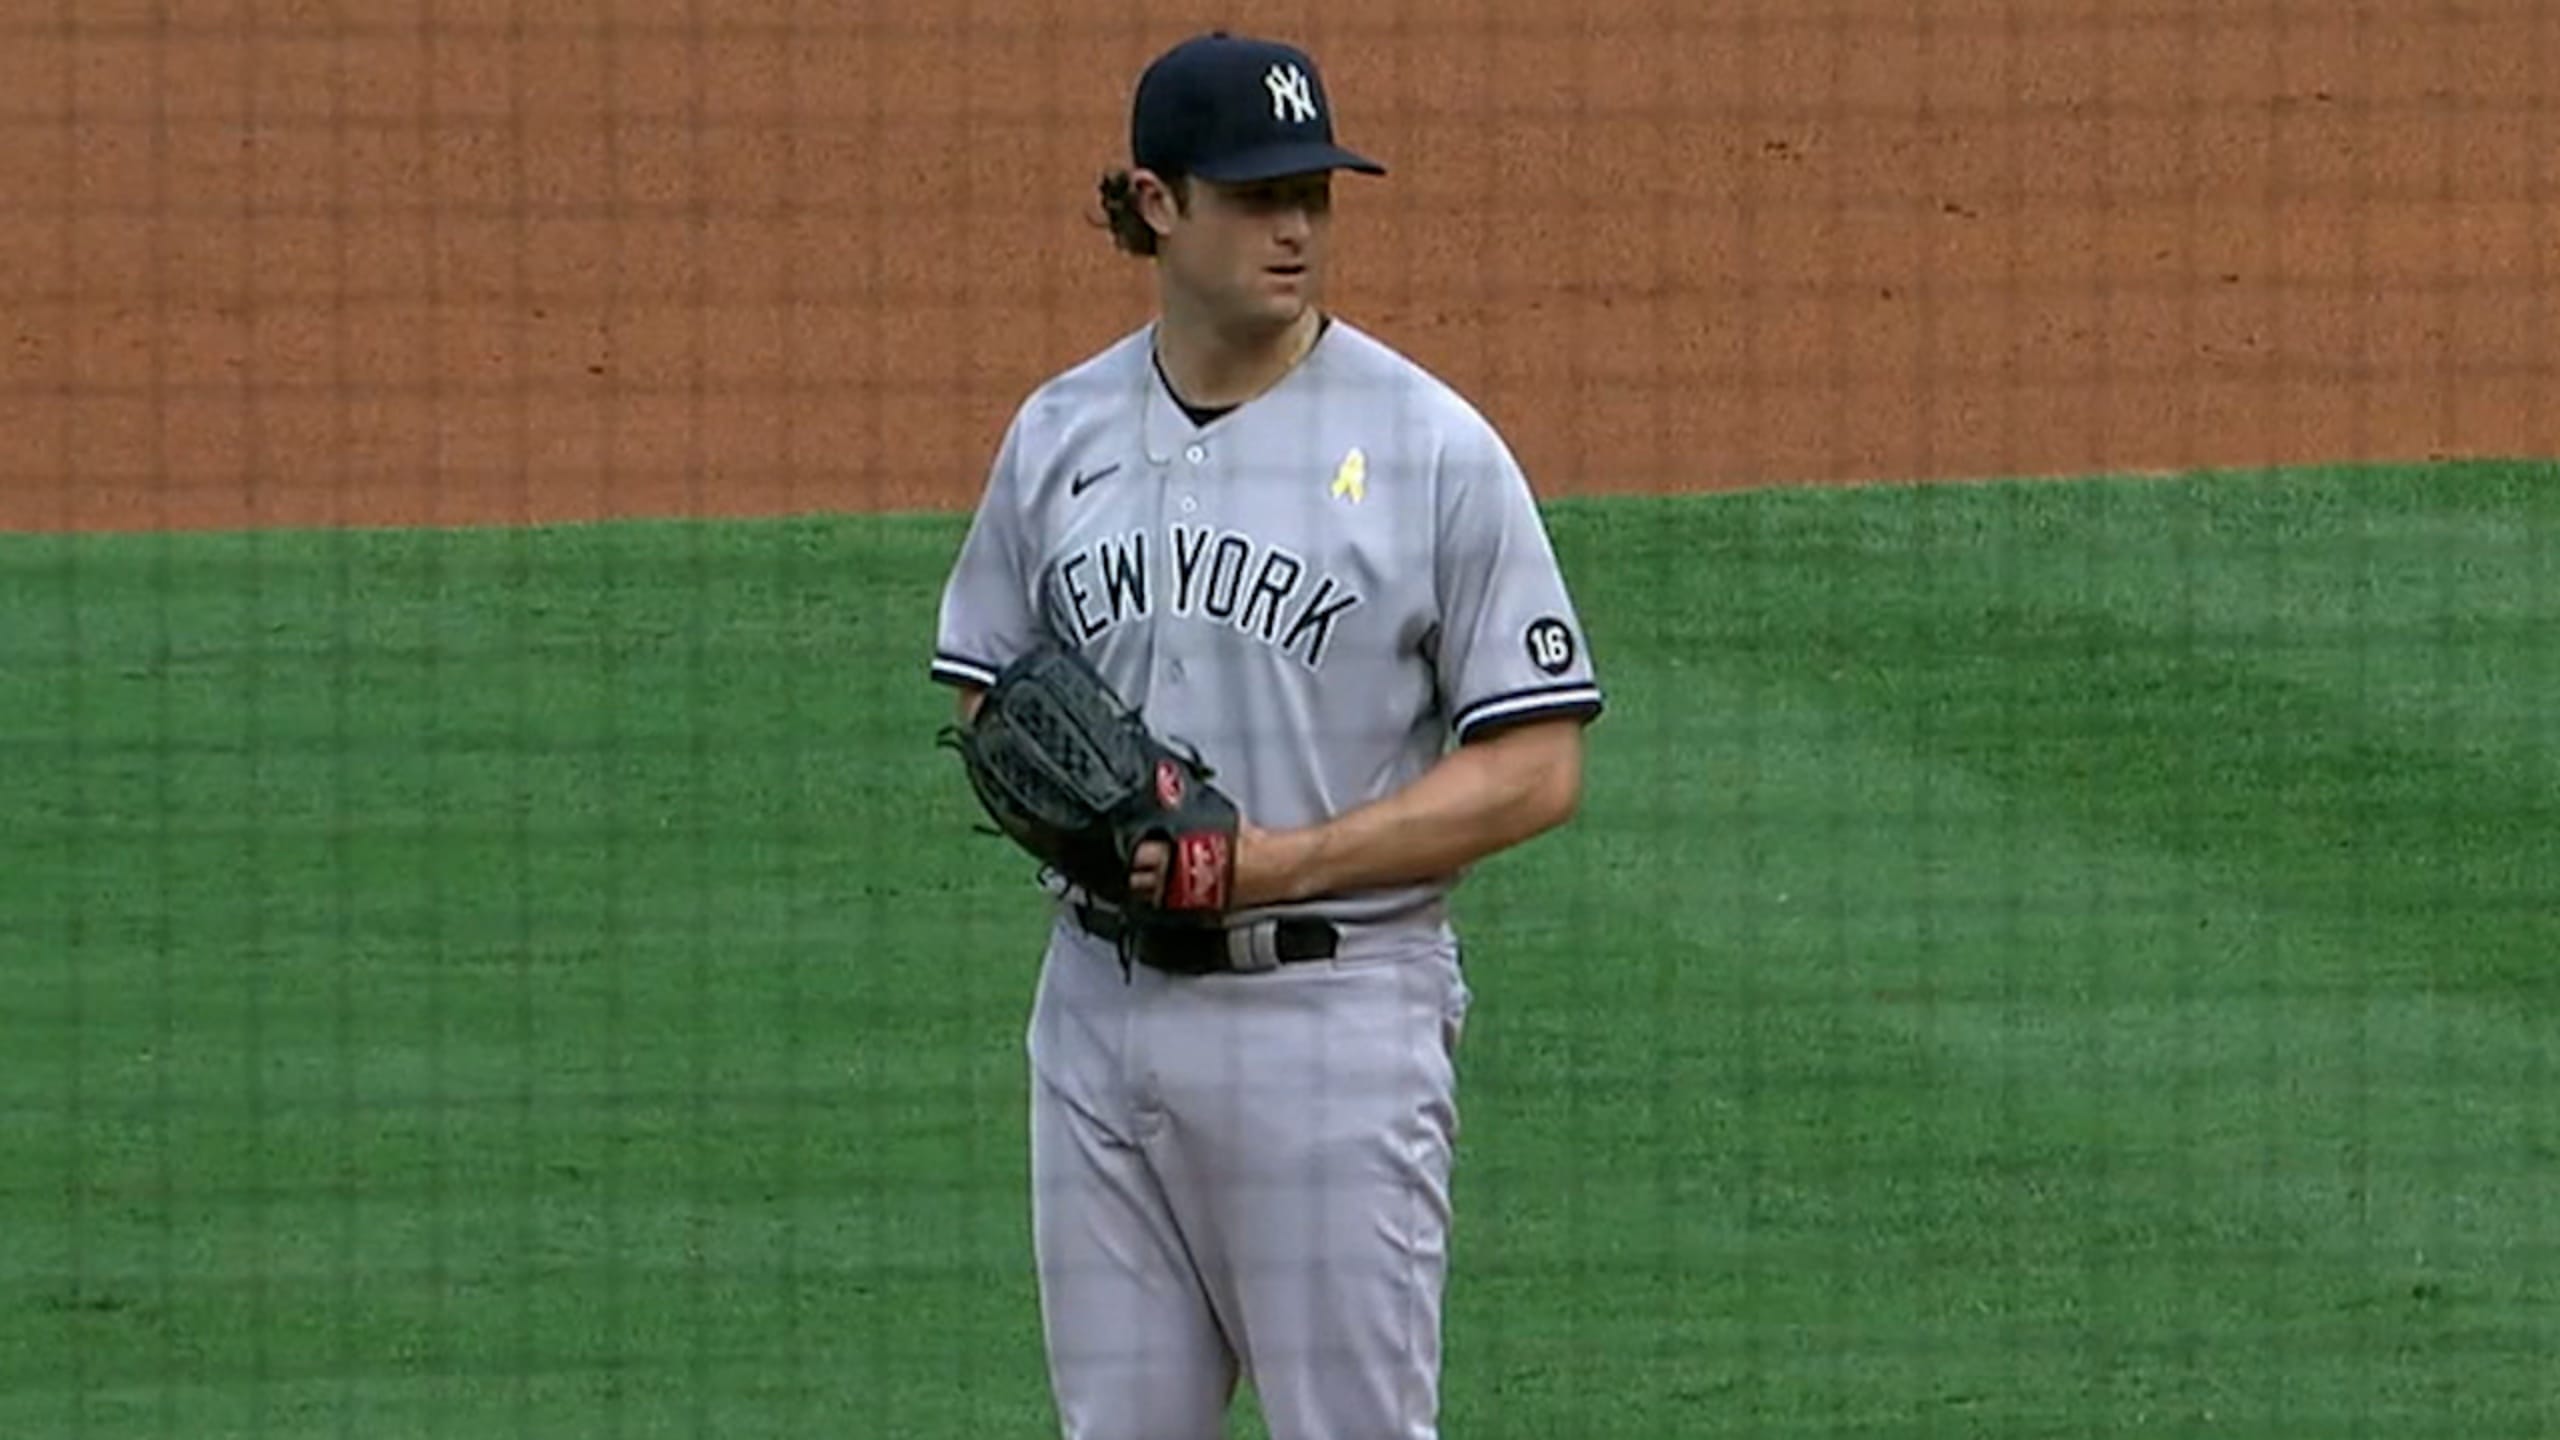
1232,109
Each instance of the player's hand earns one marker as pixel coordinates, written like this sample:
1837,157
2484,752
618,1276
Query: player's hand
1146,870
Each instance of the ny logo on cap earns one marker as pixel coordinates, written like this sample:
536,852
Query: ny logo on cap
1291,98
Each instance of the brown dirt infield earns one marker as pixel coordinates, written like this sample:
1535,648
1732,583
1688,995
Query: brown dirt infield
453,261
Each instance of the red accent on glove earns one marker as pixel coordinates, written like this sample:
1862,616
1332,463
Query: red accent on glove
1197,879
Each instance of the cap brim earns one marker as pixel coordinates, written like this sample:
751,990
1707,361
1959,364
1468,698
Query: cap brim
1276,161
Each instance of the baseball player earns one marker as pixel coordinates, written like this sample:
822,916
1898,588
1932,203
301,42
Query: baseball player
1315,562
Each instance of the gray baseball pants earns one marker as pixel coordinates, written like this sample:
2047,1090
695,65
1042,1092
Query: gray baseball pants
1245,1177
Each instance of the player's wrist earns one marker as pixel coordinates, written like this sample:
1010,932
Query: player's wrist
1274,867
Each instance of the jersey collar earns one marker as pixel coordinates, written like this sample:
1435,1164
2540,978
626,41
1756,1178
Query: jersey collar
1166,430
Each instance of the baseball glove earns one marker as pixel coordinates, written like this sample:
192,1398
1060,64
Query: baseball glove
1076,778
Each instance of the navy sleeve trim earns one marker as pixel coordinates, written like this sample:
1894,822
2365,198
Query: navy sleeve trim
1547,702
960,670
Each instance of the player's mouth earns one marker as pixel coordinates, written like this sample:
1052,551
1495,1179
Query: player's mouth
1290,270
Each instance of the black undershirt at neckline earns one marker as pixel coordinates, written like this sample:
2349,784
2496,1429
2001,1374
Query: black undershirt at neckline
1202,414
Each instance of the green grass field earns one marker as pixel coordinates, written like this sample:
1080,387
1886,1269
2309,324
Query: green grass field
2036,960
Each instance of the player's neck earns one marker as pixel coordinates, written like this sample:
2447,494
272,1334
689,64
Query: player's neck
1212,367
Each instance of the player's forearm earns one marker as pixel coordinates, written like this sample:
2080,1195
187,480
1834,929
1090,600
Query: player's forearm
1474,802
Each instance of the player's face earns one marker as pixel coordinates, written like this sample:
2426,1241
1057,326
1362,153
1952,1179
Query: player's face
1255,253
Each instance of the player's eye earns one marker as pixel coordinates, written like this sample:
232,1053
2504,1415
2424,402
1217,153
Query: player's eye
1314,195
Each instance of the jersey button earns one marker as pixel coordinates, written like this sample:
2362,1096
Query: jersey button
1196,454
1189,504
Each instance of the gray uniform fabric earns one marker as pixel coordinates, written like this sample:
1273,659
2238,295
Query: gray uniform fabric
1321,590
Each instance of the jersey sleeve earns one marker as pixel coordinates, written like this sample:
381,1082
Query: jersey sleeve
1510,646
987,616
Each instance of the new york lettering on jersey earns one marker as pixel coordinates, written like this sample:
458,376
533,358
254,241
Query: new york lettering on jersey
1261,589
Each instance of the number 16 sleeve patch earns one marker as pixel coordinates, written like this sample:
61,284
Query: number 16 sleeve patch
1511,645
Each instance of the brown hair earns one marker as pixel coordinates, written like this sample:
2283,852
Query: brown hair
1129,229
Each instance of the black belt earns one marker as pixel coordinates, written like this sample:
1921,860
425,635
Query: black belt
1204,951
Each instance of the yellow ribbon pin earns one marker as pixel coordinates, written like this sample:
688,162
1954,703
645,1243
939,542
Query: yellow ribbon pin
1353,478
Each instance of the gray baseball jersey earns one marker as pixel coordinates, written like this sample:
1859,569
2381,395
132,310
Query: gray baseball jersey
1321,590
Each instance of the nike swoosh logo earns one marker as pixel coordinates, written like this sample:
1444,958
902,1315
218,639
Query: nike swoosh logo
1085,481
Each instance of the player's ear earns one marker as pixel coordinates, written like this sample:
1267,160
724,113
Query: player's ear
1162,199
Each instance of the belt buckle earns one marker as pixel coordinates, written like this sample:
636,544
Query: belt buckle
1253,949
